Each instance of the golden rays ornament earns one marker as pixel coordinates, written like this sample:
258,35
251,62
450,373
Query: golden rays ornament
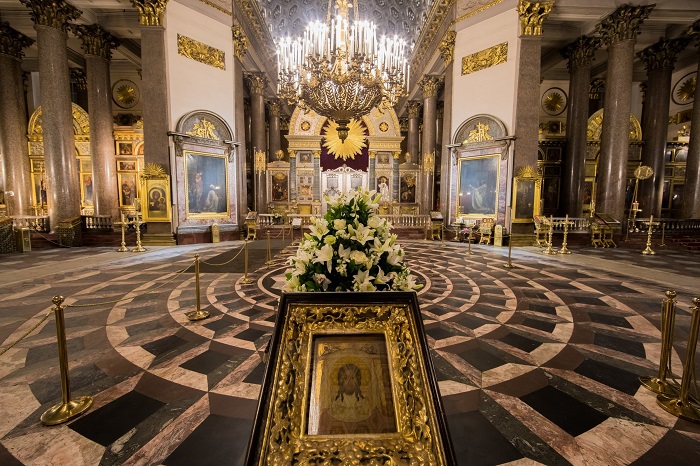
353,144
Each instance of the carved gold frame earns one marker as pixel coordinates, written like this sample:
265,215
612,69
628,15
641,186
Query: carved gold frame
280,432
528,177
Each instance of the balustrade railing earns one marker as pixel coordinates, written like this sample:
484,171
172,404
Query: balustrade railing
97,222
34,222
576,224
407,220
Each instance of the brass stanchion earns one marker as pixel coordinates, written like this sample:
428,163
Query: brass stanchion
442,235
564,249
648,251
138,247
245,280
269,253
668,319
508,264
663,235
549,249
469,242
681,406
198,313
67,409
283,232
123,248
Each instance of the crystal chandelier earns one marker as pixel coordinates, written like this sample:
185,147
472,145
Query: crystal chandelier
340,70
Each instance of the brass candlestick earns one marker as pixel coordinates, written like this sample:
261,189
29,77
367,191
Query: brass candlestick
245,280
668,319
681,406
198,313
549,249
508,264
67,409
123,248
564,249
648,251
138,247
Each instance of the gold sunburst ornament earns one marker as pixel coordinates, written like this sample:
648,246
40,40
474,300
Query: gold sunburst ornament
353,144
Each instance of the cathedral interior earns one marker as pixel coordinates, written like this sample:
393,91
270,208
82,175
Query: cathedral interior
182,127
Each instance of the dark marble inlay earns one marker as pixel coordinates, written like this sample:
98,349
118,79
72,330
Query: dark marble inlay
486,444
673,448
521,342
539,325
614,377
590,301
617,321
575,419
251,334
440,333
623,345
256,375
164,345
206,362
542,308
480,359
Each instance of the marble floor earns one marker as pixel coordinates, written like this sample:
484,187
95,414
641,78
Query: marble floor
538,364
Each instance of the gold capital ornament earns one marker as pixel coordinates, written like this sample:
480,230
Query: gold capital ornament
150,11
532,15
203,53
257,81
430,85
240,42
274,107
13,42
447,47
623,24
96,40
581,51
52,13
662,54
413,108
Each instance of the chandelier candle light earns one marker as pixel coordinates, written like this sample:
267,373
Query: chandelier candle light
341,71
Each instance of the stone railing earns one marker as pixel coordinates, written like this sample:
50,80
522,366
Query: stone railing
672,226
305,219
97,222
268,220
408,220
69,232
34,222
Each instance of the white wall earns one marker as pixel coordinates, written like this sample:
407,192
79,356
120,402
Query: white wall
490,91
194,85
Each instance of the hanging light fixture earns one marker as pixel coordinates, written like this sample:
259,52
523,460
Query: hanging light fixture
340,70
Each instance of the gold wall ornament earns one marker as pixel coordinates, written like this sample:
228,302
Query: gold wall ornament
96,40
485,58
554,101
13,42
429,162
480,133
447,47
153,170
430,85
595,127
684,90
351,146
305,125
623,24
200,52
52,13
260,162
529,171
240,41
383,126
204,129
125,93
532,15
150,11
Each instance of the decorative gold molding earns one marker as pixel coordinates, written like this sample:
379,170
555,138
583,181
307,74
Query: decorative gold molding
52,13
153,170
479,134
240,42
430,85
532,15
447,47
529,171
150,11
429,162
476,11
13,42
595,127
205,129
216,7
200,52
435,20
485,58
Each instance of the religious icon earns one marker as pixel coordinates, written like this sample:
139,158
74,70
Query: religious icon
206,184
383,188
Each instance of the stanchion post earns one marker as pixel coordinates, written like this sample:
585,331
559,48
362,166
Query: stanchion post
564,249
123,248
198,313
442,235
663,235
67,409
269,253
648,251
668,319
509,264
681,406
549,249
138,247
469,242
245,280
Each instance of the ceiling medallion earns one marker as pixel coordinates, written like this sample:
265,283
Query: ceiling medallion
684,90
554,101
125,93
351,146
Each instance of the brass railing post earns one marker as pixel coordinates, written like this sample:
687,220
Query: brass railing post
509,264
668,319
681,406
469,241
648,251
198,313
245,280
549,249
138,247
663,235
67,409
564,249
123,248
269,253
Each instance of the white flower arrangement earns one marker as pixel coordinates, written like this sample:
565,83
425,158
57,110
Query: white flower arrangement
350,249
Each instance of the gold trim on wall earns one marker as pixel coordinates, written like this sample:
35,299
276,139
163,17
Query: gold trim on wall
200,52
485,58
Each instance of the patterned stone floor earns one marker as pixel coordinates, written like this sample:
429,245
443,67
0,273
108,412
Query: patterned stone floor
536,364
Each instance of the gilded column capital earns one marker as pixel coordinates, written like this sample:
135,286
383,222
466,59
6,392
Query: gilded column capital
150,11
52,13
372,154
662,54
292,154
274,106
693,31
403,124
13,42
430,85
413,108
447,47
317,154
532,15
623,23
96,40
397,154
580,52
284,123
240,41
257,82
80,78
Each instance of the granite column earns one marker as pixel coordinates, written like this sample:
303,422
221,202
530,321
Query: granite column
13,134
413,108
618,32
240,47
258,83
691,189
446,47
273,107
430,86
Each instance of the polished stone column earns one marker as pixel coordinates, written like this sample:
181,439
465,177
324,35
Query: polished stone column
396,178
527,109
98,45
371,171
240,47
579,55
273,107
413,109
430,86
691,190
618,32
257,83
13,134
51,19
79,77
155,101
445,136
659,60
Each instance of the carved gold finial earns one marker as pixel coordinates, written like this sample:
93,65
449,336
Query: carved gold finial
447,47
257,81
96,40
13,42
580,52
623,24
413,108
663,53
532,15
430,85
52,13
150,11
240,41
480,133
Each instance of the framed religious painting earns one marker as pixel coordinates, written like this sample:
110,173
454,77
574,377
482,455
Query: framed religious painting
206,185
280,186
125,148
478,186
86,190
527,203
407,188
127,165
349,380
155,207
128,189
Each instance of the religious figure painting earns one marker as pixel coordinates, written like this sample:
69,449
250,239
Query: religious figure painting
350,386
280,188
86,189
408,188
156,205
383,188
125,148
127,189
525,199
206,185
478,185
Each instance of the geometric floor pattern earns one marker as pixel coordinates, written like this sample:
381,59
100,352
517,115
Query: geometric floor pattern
536,365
